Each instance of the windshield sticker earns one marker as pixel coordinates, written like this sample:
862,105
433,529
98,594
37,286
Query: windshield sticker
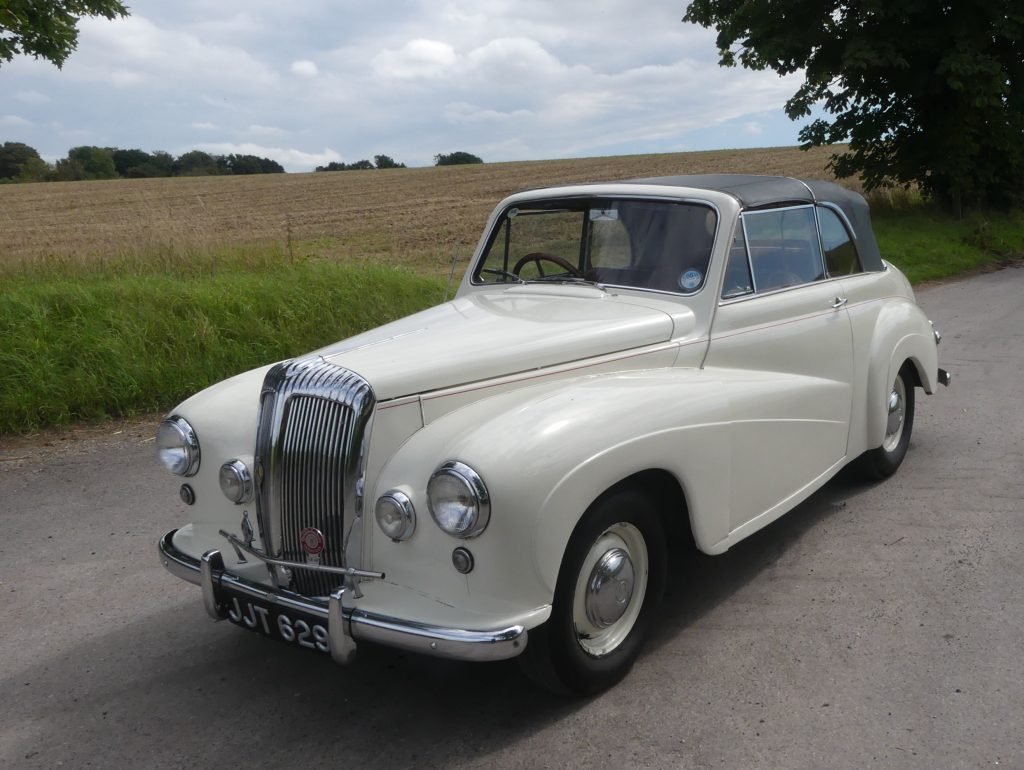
512,213
690,280
597,214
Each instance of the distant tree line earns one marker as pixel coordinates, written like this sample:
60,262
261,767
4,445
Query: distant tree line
386,161
21,163
379,161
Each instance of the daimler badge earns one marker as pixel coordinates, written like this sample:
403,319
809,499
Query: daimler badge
312,542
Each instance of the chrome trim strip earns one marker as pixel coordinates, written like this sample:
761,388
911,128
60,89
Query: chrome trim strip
346,571
455,643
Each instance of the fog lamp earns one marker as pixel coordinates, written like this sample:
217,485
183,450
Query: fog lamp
236,481
395,515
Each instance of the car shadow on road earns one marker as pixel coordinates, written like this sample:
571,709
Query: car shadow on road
173,688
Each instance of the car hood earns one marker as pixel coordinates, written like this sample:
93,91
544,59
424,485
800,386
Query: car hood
494,333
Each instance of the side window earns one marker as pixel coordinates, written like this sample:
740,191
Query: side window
737,268
784,247
840,253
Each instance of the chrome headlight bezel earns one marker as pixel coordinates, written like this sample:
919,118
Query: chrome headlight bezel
237,472
400,503
176,435
474,520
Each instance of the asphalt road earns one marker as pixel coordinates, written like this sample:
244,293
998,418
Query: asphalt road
873,626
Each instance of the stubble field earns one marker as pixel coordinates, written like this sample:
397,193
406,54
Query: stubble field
412,218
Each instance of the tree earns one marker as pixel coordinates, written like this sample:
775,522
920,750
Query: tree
48,29
127,162
195,163
925,93
456,159
252,164
359,165
386,161
13,157
95,162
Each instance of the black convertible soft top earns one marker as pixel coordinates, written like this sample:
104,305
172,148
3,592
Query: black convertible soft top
755,192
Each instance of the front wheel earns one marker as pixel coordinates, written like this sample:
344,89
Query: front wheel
609,585
882,462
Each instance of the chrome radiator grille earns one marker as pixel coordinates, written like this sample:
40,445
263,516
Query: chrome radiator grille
313,435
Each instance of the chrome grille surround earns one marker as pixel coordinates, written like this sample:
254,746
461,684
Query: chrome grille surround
311,446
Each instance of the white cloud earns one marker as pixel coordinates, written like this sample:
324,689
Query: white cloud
305,68
257,130
415,59
506,79
134,51
14,121
291,158
31,97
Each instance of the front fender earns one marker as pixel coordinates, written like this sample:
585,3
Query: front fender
546,453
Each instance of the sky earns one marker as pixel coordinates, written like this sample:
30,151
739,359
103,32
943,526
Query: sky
313,81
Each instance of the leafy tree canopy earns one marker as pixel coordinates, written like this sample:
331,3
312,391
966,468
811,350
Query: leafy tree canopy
48,29
95,162
359,165
13,157
456,159
386,161
925,93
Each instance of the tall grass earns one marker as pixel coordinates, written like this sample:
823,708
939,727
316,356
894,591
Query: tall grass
928,244
108,344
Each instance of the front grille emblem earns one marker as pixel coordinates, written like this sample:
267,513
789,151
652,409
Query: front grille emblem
312,541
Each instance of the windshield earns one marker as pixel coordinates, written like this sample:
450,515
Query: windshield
660,245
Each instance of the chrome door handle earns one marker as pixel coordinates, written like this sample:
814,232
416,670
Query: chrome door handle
838,302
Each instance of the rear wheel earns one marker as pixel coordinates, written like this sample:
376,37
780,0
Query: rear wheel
611,580
882,462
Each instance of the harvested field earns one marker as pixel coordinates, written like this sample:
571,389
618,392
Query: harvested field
410,217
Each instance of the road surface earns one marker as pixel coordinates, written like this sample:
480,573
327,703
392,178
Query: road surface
874,626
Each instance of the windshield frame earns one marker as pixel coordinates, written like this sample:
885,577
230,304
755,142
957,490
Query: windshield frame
557,203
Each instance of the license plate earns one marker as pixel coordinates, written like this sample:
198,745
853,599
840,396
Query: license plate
287,625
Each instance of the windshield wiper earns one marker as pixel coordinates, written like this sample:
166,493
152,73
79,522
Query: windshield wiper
568,279
502,273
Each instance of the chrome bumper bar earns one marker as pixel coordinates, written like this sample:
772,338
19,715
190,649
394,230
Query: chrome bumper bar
345,625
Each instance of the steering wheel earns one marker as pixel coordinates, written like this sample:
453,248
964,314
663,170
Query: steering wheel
543,256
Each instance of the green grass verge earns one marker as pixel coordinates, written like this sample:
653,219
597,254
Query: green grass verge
131,335
105,344
927,244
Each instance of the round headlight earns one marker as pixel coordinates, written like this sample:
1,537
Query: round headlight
236,481
177,446
458,500
395,515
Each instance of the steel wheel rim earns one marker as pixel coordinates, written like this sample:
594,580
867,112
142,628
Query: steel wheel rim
610,589
896,406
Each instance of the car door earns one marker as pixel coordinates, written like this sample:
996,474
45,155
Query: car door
781,342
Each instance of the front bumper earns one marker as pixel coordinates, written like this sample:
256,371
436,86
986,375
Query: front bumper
345,625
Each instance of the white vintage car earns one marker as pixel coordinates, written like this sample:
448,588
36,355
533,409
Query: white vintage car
500,475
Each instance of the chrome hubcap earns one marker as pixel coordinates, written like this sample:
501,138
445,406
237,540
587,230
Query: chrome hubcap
897,413
610,589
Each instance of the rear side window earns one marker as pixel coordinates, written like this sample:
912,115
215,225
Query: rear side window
840,253
784,247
